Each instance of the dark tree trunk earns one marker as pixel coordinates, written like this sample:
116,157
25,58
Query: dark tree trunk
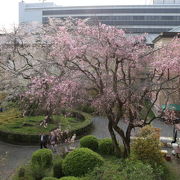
114,140
125,139
126,152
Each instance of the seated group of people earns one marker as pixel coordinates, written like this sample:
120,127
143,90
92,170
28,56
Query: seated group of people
56,137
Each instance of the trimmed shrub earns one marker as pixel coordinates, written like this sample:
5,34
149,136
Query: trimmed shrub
57,167
106,146
147,147
38,172
69,178
42,158
23,173
41,162
49,178
80,161
90,142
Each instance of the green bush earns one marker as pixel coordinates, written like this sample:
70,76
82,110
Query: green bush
147,147
38,172
87,108
49,178
90,142
42,158
80,161
57,167
161,171
23,173
108,171
122,170
106,146
69,178
136,170
41,162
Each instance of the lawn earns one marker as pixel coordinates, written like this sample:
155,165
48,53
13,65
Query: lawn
11,121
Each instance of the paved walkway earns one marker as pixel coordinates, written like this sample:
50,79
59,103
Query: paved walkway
12,156
101,129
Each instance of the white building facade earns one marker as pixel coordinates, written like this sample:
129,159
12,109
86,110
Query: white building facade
159,17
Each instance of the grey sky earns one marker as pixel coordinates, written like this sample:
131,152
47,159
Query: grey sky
9,8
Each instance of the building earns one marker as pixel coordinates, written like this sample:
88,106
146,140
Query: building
165,37
161,16
166,1
174,99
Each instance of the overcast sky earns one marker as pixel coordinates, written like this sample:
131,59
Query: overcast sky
9,8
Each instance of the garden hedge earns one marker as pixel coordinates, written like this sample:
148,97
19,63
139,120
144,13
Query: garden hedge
106,146
90,142
42,158
80,161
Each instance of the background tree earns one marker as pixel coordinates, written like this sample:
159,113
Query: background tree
25,53
49,94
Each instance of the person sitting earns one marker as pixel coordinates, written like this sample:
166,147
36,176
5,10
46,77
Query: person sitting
73,138
53,141
70,143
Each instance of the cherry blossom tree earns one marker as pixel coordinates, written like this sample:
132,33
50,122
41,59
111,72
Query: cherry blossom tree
122,75
168,57
25,53
167,63
50,94
125,75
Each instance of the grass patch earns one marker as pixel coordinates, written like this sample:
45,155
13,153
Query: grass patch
11,121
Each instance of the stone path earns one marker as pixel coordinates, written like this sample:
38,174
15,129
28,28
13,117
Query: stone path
12,156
